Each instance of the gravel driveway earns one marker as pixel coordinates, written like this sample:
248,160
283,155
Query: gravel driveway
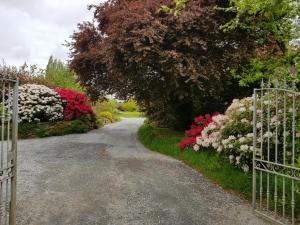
106,177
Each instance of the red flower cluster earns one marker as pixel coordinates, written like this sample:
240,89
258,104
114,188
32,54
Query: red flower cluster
77,104
190,141
201,122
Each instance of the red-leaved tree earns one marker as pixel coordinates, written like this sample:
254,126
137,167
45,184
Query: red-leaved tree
175,66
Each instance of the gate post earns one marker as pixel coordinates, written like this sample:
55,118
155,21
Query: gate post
13,208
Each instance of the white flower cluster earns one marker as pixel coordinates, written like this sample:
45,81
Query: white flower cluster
211,134
38,103
240,105
236,136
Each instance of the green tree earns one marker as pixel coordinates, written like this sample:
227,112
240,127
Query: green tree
59,74
271,22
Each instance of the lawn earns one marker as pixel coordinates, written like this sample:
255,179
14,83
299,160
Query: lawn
134,114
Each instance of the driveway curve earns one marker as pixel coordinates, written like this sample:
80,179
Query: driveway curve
106,177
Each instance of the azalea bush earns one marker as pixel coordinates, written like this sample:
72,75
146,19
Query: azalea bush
38,103
236,136
195,131
76,104
231,134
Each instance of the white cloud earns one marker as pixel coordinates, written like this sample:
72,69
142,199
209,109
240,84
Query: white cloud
33,30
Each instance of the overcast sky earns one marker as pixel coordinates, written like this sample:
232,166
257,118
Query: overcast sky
32,30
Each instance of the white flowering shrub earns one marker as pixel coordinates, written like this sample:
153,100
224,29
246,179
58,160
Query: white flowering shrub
38,103
231,134
237,134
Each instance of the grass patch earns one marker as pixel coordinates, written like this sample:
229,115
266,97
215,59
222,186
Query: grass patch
133,114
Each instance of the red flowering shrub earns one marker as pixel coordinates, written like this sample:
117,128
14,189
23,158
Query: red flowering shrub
196,129
77,104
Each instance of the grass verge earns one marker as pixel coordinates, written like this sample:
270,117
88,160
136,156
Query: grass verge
208,163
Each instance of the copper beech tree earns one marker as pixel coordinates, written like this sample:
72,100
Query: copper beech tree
175,66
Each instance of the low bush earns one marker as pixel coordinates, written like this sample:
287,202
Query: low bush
100,121
107,106
40,130
107,116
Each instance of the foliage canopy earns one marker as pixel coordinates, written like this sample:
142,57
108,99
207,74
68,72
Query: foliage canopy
175,66
274,21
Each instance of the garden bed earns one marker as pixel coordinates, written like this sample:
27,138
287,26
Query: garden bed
40,130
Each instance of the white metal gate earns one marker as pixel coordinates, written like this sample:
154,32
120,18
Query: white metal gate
276,144
8,146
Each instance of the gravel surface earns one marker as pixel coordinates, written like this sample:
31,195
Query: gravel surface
106,177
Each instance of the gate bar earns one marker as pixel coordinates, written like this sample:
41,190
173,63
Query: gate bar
293,160
254,149
261,140
8,149
276,149
284,148
13,208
